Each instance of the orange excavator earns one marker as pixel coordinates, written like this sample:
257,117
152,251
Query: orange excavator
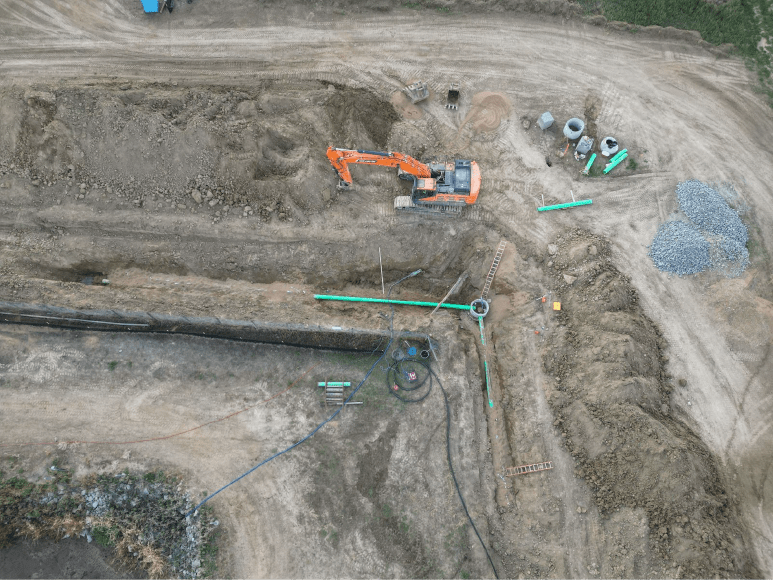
437,187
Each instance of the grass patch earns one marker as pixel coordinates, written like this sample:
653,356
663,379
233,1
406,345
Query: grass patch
105,536
112,364
740,23
632,165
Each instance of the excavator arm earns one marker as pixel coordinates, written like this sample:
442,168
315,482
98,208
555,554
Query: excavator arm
341,158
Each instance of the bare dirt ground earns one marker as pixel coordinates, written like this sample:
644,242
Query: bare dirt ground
182,157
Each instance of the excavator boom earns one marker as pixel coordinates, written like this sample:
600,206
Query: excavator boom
443,187
341,158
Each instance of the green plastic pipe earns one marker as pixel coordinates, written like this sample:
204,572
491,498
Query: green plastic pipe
485,362
488,391
590,163
332,384
618,155
565,205
614,164
385,301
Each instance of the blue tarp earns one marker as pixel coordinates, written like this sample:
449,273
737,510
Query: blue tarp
150,5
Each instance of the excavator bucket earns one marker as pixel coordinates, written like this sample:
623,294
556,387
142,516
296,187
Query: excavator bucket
452,99
417,91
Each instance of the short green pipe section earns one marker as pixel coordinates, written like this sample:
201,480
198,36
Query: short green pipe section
385,301
335,384
618,155
615,163
565,205
590,163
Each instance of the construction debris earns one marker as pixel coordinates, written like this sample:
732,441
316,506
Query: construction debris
583,147
417,91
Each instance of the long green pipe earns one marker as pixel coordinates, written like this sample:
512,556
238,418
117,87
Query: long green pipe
615,163
565,205
385,301
485,361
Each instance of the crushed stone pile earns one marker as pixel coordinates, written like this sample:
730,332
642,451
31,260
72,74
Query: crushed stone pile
680,248
714,238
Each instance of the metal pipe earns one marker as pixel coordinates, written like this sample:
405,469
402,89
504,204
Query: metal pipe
565,205
386,301
615,163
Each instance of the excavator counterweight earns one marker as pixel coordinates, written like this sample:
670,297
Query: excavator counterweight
438,187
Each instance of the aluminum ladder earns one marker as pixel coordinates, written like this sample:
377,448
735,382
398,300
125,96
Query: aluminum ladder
533,468
493,270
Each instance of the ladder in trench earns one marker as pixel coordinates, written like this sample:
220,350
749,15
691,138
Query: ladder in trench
533,468
493,270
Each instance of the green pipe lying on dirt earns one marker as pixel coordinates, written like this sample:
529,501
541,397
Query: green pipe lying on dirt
615,163
589,164
385,301
565,205
618,155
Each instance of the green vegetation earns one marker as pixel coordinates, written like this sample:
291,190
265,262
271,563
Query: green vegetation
105,536
742,23
632,165
112,364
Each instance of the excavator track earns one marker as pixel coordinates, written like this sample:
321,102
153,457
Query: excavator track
404,204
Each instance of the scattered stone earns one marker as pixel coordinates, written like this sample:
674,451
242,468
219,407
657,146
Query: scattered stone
552,249
569,279
196,195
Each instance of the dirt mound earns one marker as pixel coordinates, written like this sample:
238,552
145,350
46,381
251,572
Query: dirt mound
611,399
177,147
360,119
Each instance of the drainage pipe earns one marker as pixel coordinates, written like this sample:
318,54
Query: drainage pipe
386,301
615,163
565,205
590,163
619,155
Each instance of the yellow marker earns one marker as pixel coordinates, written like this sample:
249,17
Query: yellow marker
556,306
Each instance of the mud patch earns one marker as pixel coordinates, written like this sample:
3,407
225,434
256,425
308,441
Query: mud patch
488,111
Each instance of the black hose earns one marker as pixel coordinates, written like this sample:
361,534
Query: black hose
453,475
395,385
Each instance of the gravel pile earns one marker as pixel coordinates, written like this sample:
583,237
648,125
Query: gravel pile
715,237
709,211
679,248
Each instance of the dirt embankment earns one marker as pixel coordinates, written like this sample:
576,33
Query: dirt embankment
191,149
610,395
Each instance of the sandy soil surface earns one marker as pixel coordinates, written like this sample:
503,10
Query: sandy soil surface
182,157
